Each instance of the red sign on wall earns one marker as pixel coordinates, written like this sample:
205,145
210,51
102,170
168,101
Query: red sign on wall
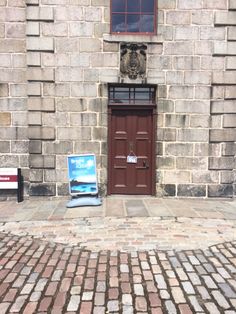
8,178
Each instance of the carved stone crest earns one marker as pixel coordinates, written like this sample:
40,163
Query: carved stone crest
133,60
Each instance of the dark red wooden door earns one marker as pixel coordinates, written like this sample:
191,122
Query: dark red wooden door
131,134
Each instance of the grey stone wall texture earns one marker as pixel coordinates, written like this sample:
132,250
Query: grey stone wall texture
56,60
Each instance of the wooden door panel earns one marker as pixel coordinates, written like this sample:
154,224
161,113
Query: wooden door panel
131,133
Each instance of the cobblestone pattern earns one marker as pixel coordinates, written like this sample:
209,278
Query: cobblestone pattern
129,234
43,277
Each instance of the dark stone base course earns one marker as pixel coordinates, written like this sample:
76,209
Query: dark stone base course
188,190
168,189
42,189
223,190
63,189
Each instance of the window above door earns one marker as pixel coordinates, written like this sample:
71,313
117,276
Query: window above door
133,17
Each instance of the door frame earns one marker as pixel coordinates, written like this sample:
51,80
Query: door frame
129,107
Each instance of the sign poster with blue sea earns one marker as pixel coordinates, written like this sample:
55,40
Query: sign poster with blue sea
82,174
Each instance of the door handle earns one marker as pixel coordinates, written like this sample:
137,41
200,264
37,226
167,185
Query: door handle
145,164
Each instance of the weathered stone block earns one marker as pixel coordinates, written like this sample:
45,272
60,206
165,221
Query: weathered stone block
4,146
87,147
227,177
62,189
178,48
32,28
15,14
195,106
203,47
40,161
16,30
83,90
190,190
231,33
167,190
179,149
215,4
43,133
83,119
175,120
202,92
222,163
212,33
229,149
222,190
227,106
202,17
41,104
189,163
4,90
229,121
224,48
167,4
62,147
69,74
230,63
189,4
54,29
174,77
34,118
226,77
74,13
200,121
74,133
34,89
81,29
19,118
35,147
159,62
33,58
165,134
181,92
5,118
205,176
171,177
72,104
192,135
99,133
44,189
186,33
66,45
40,44
36,175
224,135
209,63
178,17
35,13
230,92
165,162
186,63
225,18
232,4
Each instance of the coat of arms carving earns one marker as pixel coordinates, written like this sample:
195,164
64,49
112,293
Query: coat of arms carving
133,60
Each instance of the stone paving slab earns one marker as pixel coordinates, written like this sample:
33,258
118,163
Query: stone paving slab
123,206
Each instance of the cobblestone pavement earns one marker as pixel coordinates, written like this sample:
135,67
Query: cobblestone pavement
43,277
153,259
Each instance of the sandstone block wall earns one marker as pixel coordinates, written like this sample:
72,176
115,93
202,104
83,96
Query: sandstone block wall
57,58
13,88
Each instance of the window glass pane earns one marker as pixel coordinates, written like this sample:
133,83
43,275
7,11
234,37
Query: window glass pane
118,22
133,5
133,23
118,6
147,23
147,6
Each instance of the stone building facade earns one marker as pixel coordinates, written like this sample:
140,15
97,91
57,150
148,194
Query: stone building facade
58,60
